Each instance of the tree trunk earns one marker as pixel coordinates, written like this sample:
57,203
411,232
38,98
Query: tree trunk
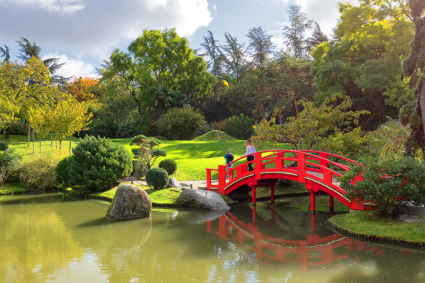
29,134
422,103
33,141
294,93
280,116
60,146
6,133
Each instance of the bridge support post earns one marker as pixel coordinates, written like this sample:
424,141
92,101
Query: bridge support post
254,197
272,194
313,202
331,203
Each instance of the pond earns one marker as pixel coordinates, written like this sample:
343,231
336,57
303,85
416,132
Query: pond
48,238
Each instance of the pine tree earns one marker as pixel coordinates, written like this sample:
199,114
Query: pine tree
317,37
294,33
5,53
260,45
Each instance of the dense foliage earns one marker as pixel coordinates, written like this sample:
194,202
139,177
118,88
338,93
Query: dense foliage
39,171
239,127
157,178
169,165
387,183
9,161
3,145
62,170
181,123
97,164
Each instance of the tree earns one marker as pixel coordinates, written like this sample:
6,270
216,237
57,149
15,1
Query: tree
164,58
5,53
9,161
40,122
364,61
212,53
84,89
28,50
294,33
260,45
181,123
148,153
414,67
317,37
312,124
67,117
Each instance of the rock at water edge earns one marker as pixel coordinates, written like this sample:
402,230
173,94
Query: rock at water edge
172,183
129,201
202,199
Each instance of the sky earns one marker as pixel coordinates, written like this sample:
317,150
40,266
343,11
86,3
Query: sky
83,33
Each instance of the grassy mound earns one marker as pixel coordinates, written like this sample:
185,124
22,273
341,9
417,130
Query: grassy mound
369,224
213,136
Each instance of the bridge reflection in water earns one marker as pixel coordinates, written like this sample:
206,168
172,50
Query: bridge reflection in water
294,242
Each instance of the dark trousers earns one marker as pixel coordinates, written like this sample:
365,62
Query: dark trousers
248,159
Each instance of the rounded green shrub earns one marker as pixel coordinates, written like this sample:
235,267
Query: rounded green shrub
62,169
97,164
169,165
157,178
3,145
158,153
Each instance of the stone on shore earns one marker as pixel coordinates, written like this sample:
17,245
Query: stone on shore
202,199
129,201
172,183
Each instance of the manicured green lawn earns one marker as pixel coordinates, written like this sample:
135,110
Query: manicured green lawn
164,197
192,157
13,188
385,228
20,144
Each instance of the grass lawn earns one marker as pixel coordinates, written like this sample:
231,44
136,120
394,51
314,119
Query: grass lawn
192,157
164,197
370,223
13,188
20,144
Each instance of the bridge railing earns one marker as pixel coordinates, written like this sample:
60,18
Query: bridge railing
276,160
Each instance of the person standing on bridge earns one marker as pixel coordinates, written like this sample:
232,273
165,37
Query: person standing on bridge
229,159
250,150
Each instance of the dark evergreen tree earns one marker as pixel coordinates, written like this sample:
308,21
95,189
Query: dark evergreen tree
294,33
260,45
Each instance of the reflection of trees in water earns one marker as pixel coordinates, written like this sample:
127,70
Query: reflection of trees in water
35,244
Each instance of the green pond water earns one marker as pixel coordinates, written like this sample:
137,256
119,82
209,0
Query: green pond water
48,238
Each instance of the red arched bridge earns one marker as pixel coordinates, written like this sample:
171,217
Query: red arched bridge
312,168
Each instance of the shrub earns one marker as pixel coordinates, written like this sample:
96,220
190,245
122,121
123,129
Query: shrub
387,183
239,127
97,164
8,162
136,151
169,165
39,171
219,125
62,169
127,130
3,145
181,123
146,153
157,178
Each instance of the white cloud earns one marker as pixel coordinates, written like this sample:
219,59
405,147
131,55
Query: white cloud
215,10
73,67
101,26
277,39
64,6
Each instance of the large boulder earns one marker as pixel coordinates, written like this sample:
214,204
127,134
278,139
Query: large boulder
129,201
202,199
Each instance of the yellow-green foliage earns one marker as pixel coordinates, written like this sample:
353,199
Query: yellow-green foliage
39,170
